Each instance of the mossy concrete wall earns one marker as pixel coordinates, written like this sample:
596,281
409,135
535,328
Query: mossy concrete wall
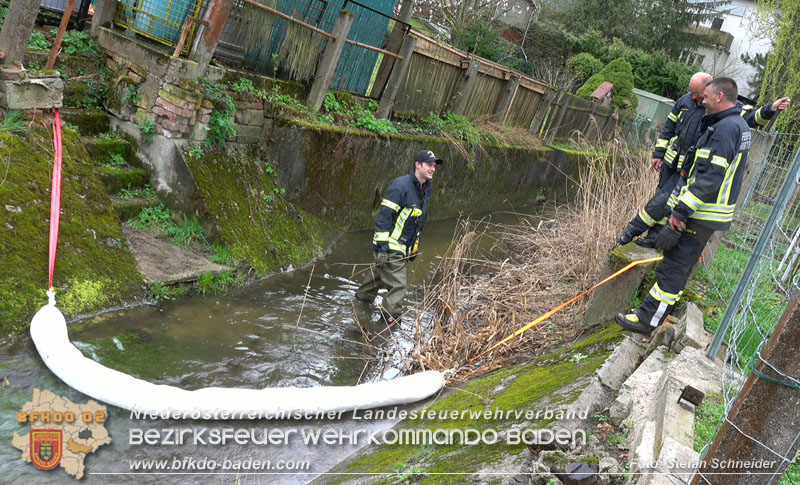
93,267
343,176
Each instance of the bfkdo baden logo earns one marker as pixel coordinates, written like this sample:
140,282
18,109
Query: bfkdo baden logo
46,446
61,432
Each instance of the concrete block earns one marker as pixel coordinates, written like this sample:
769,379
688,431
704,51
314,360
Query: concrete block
695,334
33,93
678,417
642,459
692,367
250,117
142,116
248,131
640,393
620,364
613,297
675,463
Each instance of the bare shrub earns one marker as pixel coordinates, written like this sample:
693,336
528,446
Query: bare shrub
480,297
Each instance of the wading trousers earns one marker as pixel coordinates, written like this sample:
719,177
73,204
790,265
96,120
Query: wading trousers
390,275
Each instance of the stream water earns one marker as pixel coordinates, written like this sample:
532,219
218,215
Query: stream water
300,328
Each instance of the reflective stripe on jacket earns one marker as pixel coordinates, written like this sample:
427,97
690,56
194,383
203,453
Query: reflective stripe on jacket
402,215
713,185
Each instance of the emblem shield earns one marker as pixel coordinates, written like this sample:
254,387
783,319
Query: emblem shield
46,447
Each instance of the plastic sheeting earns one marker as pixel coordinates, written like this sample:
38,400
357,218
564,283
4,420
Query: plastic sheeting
49,333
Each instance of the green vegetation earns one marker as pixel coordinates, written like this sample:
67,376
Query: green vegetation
354,114
195,152
77,42
707,419
620,74
713,287
132,94
93,268
85,295
12,122
548,378
187,232
272,233
584,65
148,130
221,255
96,91
782,73
152,218
38,41
117,160
132,193
211,283
220,125
453,126
162,292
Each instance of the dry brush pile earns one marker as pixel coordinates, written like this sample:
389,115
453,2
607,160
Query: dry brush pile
481,296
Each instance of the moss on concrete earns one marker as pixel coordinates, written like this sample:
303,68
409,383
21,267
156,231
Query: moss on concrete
253,215
118,178
101,149
547,379
127,209
93,266
88,122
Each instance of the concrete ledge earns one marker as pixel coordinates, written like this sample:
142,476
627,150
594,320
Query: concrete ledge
691,332
613,297
32,93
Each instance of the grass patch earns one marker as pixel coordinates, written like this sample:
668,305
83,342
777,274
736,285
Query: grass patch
187,232
211,283
706,420
151,218
162,292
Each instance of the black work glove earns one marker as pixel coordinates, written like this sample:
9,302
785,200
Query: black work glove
382,257
667,238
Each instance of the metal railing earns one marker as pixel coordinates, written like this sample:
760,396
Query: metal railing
760,260
158,20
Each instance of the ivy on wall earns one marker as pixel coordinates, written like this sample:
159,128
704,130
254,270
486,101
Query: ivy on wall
782,74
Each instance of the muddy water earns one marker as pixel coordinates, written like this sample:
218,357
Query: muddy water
300,328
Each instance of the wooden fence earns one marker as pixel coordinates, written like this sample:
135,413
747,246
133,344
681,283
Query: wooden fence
439,75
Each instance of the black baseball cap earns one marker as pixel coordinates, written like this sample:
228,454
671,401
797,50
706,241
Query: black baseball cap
426,156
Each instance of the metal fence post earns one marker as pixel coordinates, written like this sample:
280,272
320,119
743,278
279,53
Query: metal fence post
781,201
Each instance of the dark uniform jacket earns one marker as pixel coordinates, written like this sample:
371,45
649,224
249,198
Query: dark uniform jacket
402,216
715,179
682,129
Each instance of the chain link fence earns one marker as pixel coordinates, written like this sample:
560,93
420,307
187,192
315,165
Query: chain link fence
755,269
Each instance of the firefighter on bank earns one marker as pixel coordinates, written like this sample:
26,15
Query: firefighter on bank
705,204
674,153
400,221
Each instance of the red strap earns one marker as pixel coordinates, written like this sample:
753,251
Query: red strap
55,195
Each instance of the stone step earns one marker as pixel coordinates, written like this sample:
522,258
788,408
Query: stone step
128,208
89,122
125,177
101,150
